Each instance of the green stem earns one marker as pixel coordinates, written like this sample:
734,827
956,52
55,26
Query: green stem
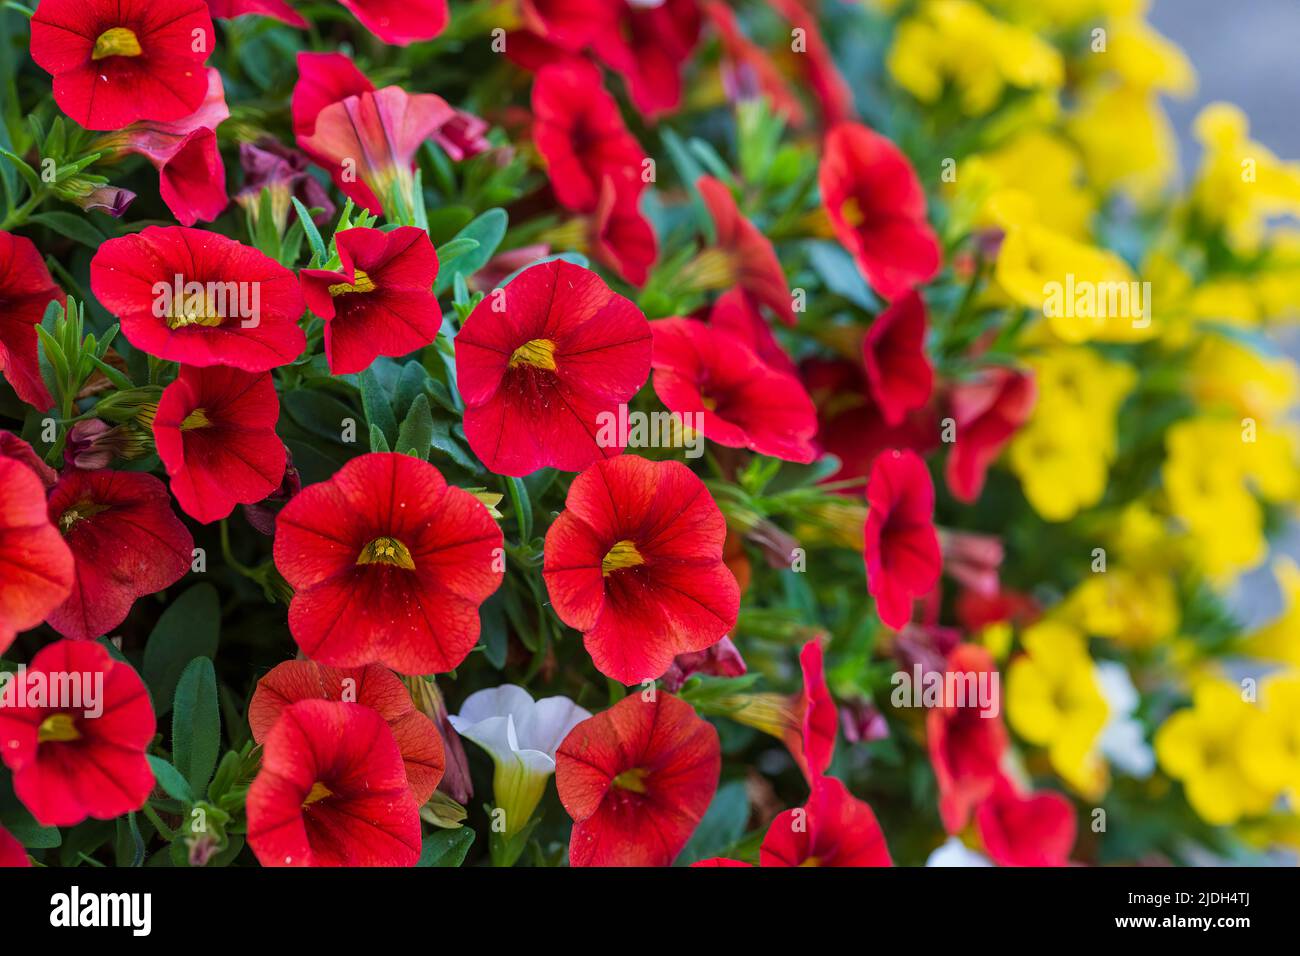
152,815
20,214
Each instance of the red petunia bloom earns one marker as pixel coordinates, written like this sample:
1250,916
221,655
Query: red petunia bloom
976,610
621,239
275,9
332,791
877,209
819,723
580,133
37,562
26,288
720,660
12,854
636,779
965,745
380,299
118,61
902,547
373,686
215,433
11,446
568,24
83,755
126,543
400,22
192,176
742,256
635,563
540,361
197,297
833,829
390,565
988,411
736,312
1036,829
743,403
647,45
898,373
323,79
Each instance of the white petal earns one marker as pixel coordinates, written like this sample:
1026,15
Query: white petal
492,734
956,853
497,702
549,723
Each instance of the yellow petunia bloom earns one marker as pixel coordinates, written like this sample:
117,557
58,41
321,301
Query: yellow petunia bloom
1055,701
1224,374
1142,59
1135,608
1279,640
1204,746
1126,140
1272,758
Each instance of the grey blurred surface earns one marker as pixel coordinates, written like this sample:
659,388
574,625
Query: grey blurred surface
1246,52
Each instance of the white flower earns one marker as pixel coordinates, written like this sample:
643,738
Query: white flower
956,853
1121,739
521,736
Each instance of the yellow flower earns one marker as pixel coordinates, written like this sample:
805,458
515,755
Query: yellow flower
1279,640
1204,746
1064,13
1272,758
1135,608
1225,374
1126,140
1054,700
1143,60
958,43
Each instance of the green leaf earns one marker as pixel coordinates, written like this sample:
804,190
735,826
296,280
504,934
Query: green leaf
413,381
129,847
189,628
457,247
487,230
374,401
523,508
722,825
196,724
319,255
76,228
377,440
170,779
319,413
446,847
416,434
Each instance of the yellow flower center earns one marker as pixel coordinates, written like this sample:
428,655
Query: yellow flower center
633,780
361,282
623,555
538,353
387,551
318,792
195,419
78,512
851,211
119,41
186,311
58,728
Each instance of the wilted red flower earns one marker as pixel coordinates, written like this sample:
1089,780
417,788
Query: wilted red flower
26,288
540,360
380,299
877,209
197,297
635,563
579,131
720,660
1035,829
743,403
390,565
833,829
269,164
748,70
736,312
373,686
12,854
38,564
902,547
742,256
332,791
92,444
636,779
971,559
126,543
966,746
275,9
114,63
647,45
215,433
988,411
192,177
621,238
76,739
898,373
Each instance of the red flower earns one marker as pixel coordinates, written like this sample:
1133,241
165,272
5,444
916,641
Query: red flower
902,547
877,209
118,61
569,24
636,779
323,79
635,563
965,747
621,238
820,720
11,446
126,543
275,9
736,312
987,411
977,611
720,660
580,134
380,300
37,563
647,45
373,686
390,565
703,370
540,360
192,177
26,288
332,791
215,432
400,22
742,256
898,373
824,78
12,854
1036,829
833,829
234,305
82,755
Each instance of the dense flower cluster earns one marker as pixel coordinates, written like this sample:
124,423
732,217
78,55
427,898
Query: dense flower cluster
812,432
